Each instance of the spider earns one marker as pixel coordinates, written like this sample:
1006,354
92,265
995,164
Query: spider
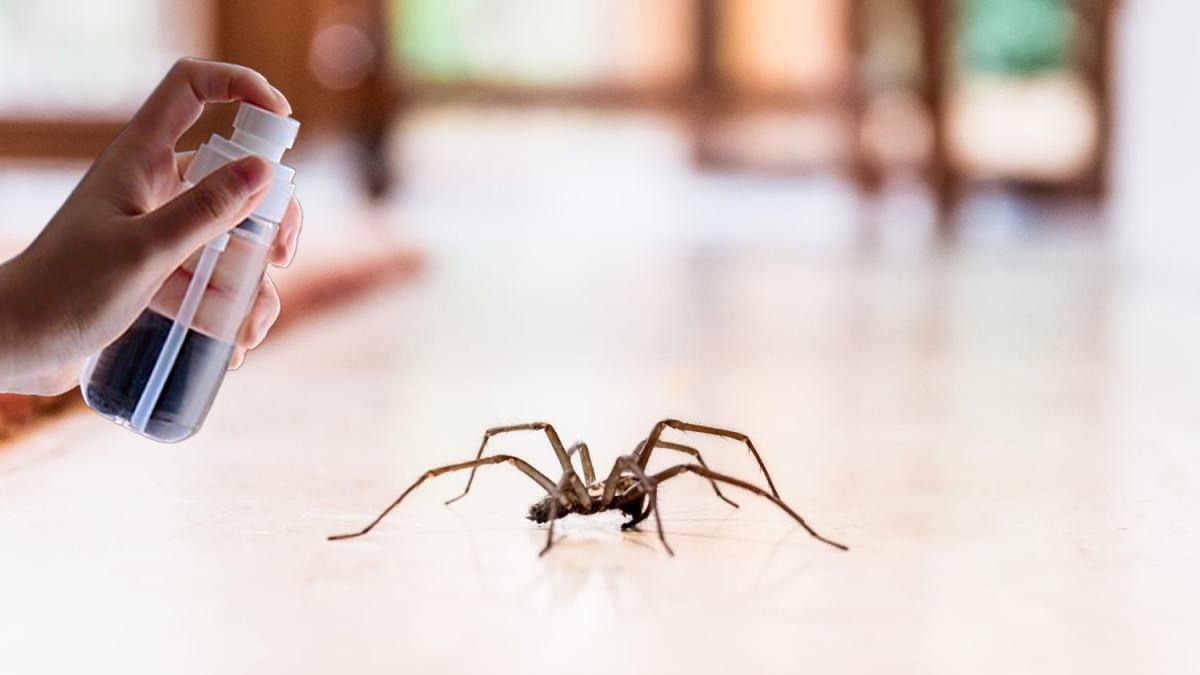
628,488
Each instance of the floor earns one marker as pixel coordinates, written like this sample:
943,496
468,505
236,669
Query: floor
1002,432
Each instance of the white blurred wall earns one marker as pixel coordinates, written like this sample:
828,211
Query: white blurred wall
1156,167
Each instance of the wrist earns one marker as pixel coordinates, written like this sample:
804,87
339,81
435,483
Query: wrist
19,329
10,324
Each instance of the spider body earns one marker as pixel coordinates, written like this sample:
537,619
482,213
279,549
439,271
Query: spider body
629,501
628,488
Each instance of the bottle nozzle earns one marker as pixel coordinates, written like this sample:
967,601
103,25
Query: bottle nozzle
259,132
264,132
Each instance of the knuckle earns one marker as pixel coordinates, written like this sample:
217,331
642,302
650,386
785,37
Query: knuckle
182,67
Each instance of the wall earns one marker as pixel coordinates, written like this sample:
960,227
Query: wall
1156,163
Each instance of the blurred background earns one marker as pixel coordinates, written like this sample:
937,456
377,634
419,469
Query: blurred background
937,257
943,99
492,135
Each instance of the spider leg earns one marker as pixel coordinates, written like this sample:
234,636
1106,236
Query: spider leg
589,472
713,475
523,466
688,450
553,516
563,458
653,442
650,485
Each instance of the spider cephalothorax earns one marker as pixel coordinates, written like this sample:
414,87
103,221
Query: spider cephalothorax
627,489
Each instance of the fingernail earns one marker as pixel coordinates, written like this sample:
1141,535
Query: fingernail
282,99
252,171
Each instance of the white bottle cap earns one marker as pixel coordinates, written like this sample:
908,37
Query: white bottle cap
263,131
256,132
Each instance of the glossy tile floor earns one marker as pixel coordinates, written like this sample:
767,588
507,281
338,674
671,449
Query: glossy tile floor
1003,432
1006,442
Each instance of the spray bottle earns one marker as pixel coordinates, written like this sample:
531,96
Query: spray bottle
161,376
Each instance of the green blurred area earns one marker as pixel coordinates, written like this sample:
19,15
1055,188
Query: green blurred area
522,42
553,41
1015,37
426,38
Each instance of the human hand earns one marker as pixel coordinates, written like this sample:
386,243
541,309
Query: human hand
127,226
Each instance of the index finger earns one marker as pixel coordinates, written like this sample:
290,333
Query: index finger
178,100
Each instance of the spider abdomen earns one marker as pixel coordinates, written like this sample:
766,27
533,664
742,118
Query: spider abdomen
539,511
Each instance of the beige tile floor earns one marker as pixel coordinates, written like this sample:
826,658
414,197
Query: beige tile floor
1005,438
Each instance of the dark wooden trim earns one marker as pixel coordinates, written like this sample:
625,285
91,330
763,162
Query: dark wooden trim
724,164
682,97
865,171
706,84
417,92
937,18
1098,70
84,139
70,139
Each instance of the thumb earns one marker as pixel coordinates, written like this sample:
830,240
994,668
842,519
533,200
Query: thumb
214,206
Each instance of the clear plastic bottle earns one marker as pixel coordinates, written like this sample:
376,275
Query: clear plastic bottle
161,376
